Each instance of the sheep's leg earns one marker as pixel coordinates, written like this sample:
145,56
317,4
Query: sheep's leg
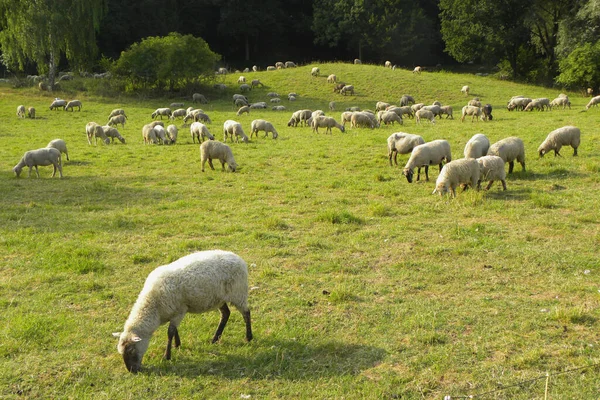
574,152
210,164
511,165
418,173
37,172
427,173
224,317
557,153
171,333
246,315
503,184
489,185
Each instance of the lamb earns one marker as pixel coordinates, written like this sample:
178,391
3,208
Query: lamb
462,172
243,109
179,113
389,117
593,102
161,112
492,169
347,89
31,112
424,155
256,82
72,104
326,122
59,145
402,143
426,114
234,128
200,131
561,101
332,78
149,134
417,70
57,103
475,112
172,131
93,130
117,111
116,120
112,133
199,98
487,112
40,157
477,146
446,110
315,71
509,149
212,149
262,125
21,111
565,136
196,283
465,89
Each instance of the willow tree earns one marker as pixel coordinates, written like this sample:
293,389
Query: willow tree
41,31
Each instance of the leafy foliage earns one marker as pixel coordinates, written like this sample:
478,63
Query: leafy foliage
580,68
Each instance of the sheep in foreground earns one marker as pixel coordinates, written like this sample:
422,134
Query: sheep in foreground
58,103
565,136
200,131
424,155
593,102
262,125
492,169
21,111
315,71
160,112
424,114
474,112
172,132
59,145
40,157
199,98
72,104
462,172
323,121
213,149
196,283
93,130
113,134
234,128
402,143
116,120
117,111
509,149
477,146
465,90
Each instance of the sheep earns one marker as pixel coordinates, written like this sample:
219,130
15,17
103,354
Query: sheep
465,89
388,64
518,103
561,101
590,91
401,111
172,131
487,112
256,82
492,169
314,115
212,149
446,110
112,133
116,120
406,100
360,119
323,121
271,68
154,124
436,103
565,136
346,116
417,70
462,172
347,89
424,155
291,97
381,106
149,134
21,111
179,113
222,71
338,86
303,116
402,143
416,107
238,96
220,86
161,134
262,125
332,78
72,104
93,130
544,102
357,61
435,109
245,88
277,100
199,98
426,114
176,105
59,145
475,112
57,103
332,106
259,105
290,64
389,117
234,128
43,86
279,65
477,146
40,157
278,108
117,111
241,79
255,68
593,102
160,112
243,109
474,102
315,71
509,149
196,283
534,104
199,131
272,94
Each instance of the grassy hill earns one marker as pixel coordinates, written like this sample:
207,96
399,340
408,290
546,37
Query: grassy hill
363,285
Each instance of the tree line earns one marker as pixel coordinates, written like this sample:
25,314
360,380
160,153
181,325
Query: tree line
541,41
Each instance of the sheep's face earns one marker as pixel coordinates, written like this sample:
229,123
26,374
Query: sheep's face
132,348
542,152
343,128
408,173
17,170
232,166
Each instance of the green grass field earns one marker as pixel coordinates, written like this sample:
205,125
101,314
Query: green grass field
363,285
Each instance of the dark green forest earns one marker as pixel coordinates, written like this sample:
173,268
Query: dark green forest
539,41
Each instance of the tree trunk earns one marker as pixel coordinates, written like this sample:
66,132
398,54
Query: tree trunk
51,71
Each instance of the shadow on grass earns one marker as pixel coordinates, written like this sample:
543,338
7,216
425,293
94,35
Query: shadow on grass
555,173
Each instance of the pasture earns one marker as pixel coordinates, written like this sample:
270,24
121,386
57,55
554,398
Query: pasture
363,285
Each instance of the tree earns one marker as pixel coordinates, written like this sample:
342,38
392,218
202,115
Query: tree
174,61
580,68
40,31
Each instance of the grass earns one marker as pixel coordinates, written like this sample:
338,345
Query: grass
364,286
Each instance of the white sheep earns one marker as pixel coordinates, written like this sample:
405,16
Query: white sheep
477,146
161,134
323,121
332,78
72,104
381,105
21,111
302,117
509,149
213,149
540,104
239,102
402,143
279,65
256,82
357,61
40,157
465,90
199,115
222,71
31,112
244,109
161,112
406,100
241,79
388,64
94,130
116,120
290,64
474,102
255,68
196,283
424,114
271,68
220,86
59,145
446,110
426,154
416,107
278,108
417,70
401,111
475,112
179,113
332,106
199,98
113,134
492,169
464,172
435,109
518,103
561,101
58,103
234,128
272,94
315,71
259,105
593,102
363,119
347,89
245,87
200,131
389,117
262,125
117,111
149,134
565,136
278,100
172,131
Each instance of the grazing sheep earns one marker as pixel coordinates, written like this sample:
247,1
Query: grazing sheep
278,108
446,110
426,114
196,283
154,124
314,115
380,106
388,64
477,146
509,149
435,109
338,86
43,86
279,65
362,119
259,105
113,134
72,104
161,134
234,128
332,78
59,145
417,70
402,143
475,112
347,89
590,91
416,107
593,102
271,68
21,111
117,111
161,112
315,71
278,100
200,131
401,111
58,103
518,103
353,108
244,109
245,88
492,169
222,71
487,112
465,89
40,157
326,122
272,94
256,82
332,106
357,61
116,120
290,64
464,172
176,105
149,134
213,149
199,98
238,96
561,101
220,86
406,100
427,154
241,79
474,103
93,130
262,125
389,117
565,136
172,131
255,68
179,113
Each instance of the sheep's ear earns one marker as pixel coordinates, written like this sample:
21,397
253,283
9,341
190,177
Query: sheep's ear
116,334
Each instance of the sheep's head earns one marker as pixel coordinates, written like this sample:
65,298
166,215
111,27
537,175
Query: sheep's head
17,170
132,348
408,173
